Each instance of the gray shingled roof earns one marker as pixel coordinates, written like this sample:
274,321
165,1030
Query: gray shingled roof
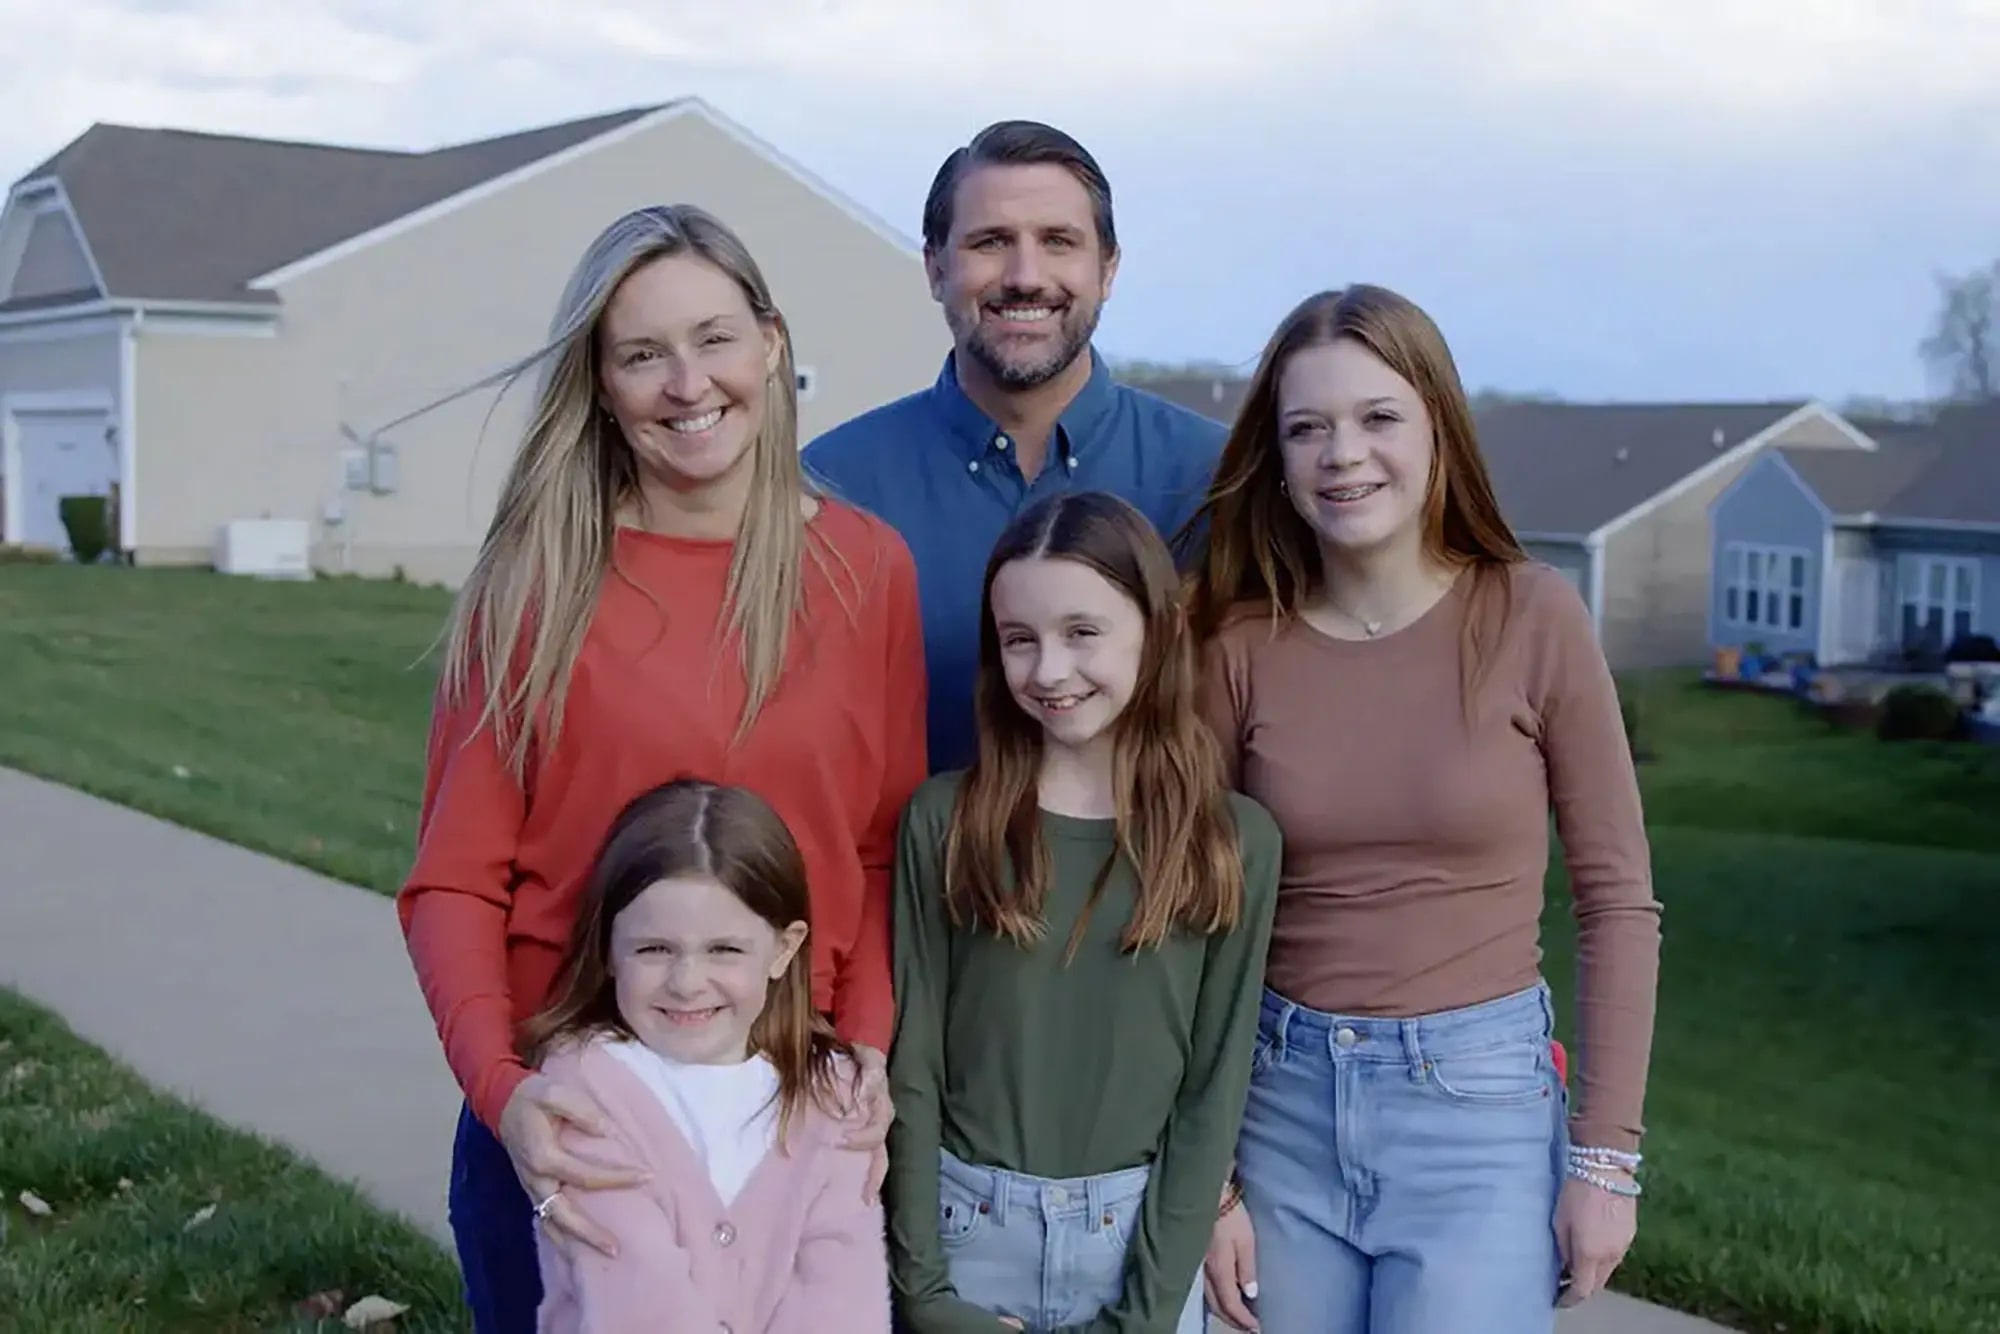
1570,468
177,215
1853,481
1946,470
1558,467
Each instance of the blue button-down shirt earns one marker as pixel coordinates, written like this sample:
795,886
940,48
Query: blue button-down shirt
943,474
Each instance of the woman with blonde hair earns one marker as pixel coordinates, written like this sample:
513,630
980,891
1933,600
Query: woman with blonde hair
660,594
1411,698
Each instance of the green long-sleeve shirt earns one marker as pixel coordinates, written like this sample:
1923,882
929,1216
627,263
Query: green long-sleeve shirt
1010,1058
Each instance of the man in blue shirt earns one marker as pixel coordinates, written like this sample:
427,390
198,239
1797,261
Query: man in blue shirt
1020,250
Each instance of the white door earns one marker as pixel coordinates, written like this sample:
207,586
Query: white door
1856,609
62,454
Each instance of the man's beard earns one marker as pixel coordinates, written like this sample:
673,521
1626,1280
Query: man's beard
1078,325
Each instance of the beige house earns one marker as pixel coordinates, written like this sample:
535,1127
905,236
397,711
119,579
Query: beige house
1617,496
216,328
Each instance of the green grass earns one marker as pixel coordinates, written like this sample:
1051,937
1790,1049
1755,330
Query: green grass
1824,1111
289,718
124,1169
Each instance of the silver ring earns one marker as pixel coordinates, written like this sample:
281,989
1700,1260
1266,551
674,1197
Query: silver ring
542,1209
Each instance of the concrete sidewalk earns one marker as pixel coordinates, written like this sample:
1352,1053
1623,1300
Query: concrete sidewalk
276,999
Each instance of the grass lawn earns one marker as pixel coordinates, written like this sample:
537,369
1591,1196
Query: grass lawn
1825,1107
126,1174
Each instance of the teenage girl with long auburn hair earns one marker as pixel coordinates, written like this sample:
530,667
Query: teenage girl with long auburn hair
1081,920
659,593
1411,698
684,1007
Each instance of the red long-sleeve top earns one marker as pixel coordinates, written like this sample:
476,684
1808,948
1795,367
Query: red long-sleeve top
837,750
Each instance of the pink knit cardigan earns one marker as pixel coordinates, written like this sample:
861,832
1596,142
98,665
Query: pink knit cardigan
799,1251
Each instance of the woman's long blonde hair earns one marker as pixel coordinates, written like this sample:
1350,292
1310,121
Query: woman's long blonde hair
521,615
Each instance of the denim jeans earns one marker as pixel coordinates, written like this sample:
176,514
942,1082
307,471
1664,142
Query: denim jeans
1049,1253
1402,1174
493,1222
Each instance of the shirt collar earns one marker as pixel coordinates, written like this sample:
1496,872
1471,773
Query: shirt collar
1077,429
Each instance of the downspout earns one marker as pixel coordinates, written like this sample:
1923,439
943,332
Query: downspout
128,433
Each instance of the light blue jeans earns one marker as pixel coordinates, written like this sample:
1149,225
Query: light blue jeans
1047,1252
1402,1174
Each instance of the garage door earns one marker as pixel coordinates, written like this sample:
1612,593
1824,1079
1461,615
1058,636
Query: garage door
61,454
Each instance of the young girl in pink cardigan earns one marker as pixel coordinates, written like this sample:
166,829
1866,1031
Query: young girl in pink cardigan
685,1008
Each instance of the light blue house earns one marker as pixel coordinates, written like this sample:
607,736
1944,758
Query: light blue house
1884,557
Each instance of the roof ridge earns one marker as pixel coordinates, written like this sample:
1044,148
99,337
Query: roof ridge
628,113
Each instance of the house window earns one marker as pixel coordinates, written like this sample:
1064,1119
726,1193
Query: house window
1940,599
1764,587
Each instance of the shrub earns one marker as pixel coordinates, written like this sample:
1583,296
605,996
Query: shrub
87,520
1973,648
1919,713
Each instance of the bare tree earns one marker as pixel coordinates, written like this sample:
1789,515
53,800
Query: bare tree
1964,345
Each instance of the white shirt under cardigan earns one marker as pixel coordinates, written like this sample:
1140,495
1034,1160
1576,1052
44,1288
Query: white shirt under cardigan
727,1113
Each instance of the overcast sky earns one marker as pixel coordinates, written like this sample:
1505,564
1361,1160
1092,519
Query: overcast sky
1600,198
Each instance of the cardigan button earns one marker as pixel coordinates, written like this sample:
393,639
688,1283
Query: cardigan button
724,1234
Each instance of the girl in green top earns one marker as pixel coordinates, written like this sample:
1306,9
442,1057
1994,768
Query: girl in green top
1080,926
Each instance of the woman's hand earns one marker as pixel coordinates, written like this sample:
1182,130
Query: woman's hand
874,1098
528,1130
1230,1271
1594,1229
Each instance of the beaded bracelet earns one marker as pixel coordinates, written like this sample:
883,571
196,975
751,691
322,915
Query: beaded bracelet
1631,1190
1586,1164
1583,1153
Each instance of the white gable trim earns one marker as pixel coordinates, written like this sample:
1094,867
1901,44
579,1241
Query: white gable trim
687,106
1874,520
1735,454
805,176
96,315
45,194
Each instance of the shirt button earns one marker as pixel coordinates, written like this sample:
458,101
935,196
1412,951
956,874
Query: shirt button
972,466
724,1234
1069,461
1346,1037
1000,442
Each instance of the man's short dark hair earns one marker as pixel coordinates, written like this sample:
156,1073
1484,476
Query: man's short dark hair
1017,143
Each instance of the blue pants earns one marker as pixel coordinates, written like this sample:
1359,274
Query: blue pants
1048,1253
1402,1174
493,1222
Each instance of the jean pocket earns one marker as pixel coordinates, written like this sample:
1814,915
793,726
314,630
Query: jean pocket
1514,1075
960,1213
1111,1232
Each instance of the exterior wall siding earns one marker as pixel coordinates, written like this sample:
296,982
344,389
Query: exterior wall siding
1772,512
1656,575
394,325
212,443
52,260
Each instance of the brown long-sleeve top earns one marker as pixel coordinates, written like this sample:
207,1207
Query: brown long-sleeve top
1416,842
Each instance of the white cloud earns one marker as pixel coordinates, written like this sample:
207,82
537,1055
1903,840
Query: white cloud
374,70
